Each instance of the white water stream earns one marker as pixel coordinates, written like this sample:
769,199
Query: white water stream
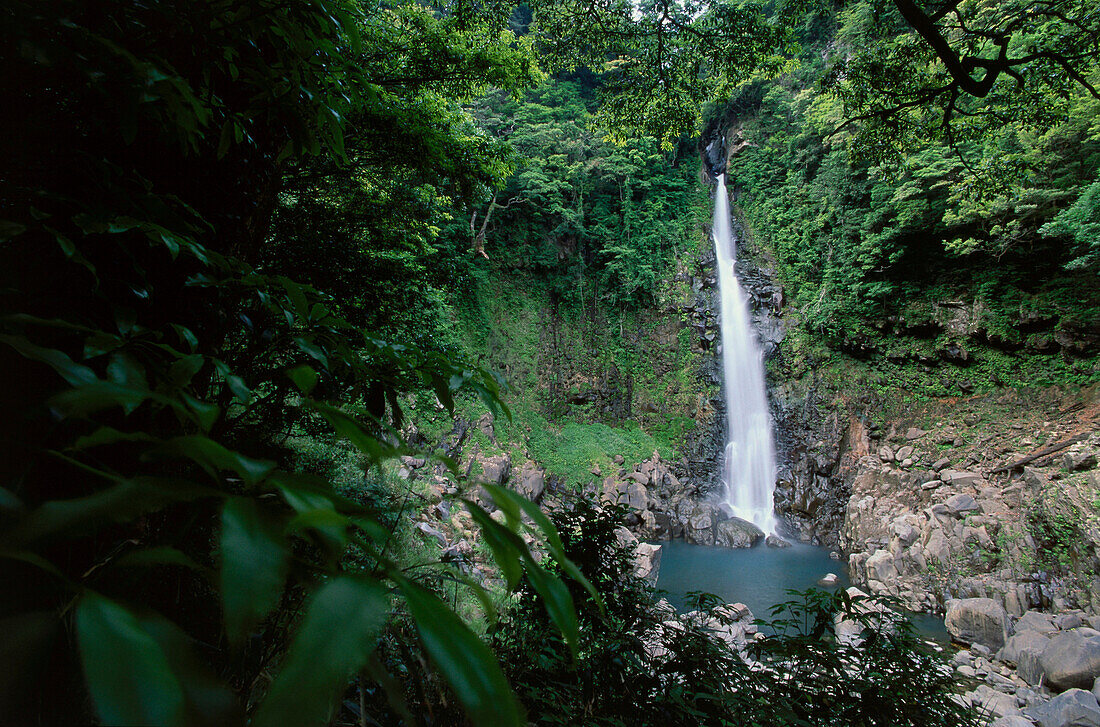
748,471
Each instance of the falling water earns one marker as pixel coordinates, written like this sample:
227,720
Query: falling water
749,467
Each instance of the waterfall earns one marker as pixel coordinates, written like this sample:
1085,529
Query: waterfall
748,471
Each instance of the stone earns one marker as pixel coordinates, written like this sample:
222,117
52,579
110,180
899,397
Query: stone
1077,460
1021,641
1074,708
647,561
978,621
915,433
930,484
774,541
996,703
637,497
939,464
737,533
1012,720
532,482
880,567
961,478
495,470
961,504
1071,660
1067,621
829,579
433,533
903,453
1036,621
885,453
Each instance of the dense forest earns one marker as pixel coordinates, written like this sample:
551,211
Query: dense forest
305,306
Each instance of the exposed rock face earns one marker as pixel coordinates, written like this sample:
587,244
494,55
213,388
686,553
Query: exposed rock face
978,621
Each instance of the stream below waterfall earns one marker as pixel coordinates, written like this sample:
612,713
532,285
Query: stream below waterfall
758,577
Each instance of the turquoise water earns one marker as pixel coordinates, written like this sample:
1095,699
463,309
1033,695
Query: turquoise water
757,577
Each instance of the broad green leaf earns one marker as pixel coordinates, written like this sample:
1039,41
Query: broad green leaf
161,555
254,558
127,672
464,661
338,634
346,426
304,377
558,602
549,532
507,547
75,374
109,435
213,457
90,398
118,503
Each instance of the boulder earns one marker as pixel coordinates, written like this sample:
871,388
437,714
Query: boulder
647,561
1071,661
1021,641
532,482
903,453
774,541
1074,708
737,533
880,567
978,621
829,579
961,504
1036,621
993,702
495,470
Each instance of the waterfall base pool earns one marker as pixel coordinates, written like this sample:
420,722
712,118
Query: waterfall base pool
758,577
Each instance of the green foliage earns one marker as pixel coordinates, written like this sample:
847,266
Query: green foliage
164,358
639,663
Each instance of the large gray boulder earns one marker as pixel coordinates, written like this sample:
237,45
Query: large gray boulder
1036,621
1071,660
737,533
978,621
1021,641
1074,708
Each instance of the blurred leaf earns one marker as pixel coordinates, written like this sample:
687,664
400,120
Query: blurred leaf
128,674
467,664
213,457
558,602
75,374
254,558
505,544
338,634
304,377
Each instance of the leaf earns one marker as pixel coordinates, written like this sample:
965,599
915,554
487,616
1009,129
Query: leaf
90,398
549,532
304,377
338,634
507,547
558,603
119,503
161,555
213,457
464,661
109,435
75,374
254,558
128,674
